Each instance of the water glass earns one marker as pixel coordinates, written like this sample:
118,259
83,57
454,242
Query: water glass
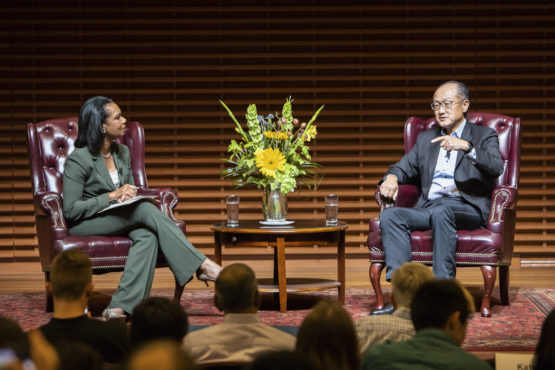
331,209
232,204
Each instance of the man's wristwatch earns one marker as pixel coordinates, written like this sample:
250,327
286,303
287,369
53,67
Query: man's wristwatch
470,147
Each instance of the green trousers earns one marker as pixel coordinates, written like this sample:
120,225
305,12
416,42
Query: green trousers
149,229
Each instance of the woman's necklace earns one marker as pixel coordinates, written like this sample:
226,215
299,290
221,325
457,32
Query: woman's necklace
107,155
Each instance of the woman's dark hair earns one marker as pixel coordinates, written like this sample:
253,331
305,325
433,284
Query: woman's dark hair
544,358
327,338
91,117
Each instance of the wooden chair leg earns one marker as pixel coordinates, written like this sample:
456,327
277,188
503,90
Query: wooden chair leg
489,273
375,272
504,284
178,292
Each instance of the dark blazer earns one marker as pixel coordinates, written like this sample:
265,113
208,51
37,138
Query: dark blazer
87,181
475,180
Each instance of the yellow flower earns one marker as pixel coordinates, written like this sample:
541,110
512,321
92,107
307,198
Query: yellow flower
311,133
276,135
269,160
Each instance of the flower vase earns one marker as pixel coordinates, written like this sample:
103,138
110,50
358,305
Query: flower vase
274,206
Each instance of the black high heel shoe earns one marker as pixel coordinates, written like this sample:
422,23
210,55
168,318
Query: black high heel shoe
203,277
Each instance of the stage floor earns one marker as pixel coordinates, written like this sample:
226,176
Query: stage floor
28,277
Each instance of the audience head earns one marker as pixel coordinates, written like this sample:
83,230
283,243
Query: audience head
158,318
237,290
92,115
544,358
328,339
13,342
406,280
71,275
78,355
442,304
159,354
278,360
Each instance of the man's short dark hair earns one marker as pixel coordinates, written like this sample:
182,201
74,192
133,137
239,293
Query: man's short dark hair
462,90
435,301
70,274
157,318
236,289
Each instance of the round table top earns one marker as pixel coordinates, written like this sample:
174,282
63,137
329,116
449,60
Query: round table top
301,226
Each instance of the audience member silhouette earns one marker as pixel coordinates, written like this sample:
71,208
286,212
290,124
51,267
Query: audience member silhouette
71,285
544,357
241,336
78,355
440,310
328,339
158,318
14,345
278,360
398,326
160,354
43,354
19,350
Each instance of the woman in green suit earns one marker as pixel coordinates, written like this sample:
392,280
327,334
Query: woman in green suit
98,173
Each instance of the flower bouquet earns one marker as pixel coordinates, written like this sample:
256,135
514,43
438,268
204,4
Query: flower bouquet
273,153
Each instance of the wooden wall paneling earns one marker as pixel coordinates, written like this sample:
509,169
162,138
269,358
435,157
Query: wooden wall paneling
167,63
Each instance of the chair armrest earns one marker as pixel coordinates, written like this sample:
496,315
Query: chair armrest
51,205
168,200
406,197
503,199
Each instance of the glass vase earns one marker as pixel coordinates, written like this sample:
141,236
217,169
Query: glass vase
274,205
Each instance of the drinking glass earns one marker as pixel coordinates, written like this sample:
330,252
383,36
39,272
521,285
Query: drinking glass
331,209
232,204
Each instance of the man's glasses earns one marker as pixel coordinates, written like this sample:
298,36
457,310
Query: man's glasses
448,105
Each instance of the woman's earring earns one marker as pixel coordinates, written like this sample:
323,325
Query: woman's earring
104,131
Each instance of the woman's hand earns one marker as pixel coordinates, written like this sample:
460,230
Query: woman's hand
124,193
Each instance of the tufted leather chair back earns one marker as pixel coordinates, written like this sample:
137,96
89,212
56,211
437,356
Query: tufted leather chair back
52,141
508,130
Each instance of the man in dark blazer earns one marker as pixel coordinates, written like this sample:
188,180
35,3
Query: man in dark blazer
456,165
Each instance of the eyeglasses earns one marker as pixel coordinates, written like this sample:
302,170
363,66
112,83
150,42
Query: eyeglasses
448,105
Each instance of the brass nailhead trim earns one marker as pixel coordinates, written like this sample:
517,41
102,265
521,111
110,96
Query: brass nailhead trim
507,197
56,216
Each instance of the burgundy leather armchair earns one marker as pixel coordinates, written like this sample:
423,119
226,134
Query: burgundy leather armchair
50,142
488,247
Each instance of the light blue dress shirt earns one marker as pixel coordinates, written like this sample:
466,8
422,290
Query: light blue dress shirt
443,181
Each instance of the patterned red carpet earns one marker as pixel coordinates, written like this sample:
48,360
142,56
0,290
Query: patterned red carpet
514,327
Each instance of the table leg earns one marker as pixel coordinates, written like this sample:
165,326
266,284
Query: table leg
341,265
282,277
217,249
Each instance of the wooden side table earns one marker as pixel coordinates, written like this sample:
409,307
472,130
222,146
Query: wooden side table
309,232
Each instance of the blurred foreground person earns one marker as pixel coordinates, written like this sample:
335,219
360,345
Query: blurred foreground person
327,338
440,311
398,326
71,285
240,337
544,358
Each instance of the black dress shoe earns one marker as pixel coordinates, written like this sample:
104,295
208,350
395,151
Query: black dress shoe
387,310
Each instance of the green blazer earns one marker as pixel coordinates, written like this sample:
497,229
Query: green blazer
87,182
